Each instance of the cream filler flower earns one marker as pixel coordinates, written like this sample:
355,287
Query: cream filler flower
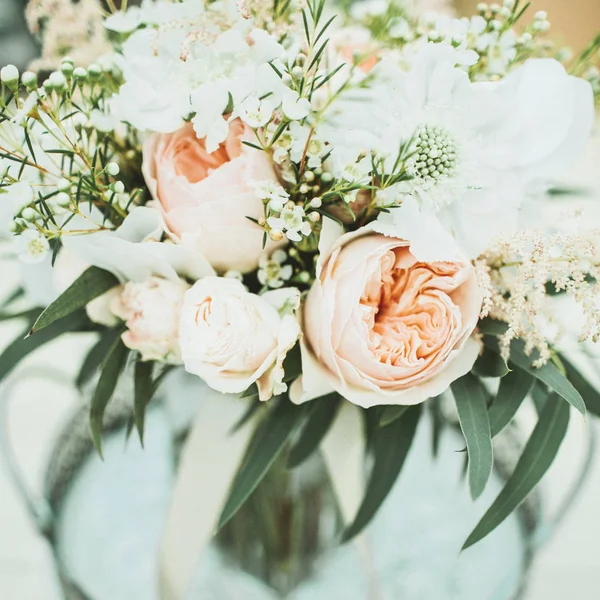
271,270
291,222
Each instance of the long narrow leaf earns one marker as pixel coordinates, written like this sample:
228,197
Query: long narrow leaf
391,445
471,403
548,373
319,420
538,455
23,346
513,389
143,392
112,368
264,448
588,392
91,283
391,413
93,360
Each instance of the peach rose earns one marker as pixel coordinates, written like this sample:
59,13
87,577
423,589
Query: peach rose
382,328
232,338
207,197
151,313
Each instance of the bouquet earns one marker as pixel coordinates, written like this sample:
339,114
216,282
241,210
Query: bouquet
314,207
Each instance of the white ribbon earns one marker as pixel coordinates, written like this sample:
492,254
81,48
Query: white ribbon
209,462
343,450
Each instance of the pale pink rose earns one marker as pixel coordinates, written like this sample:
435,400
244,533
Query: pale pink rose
382,328
232,338
208,197
67,268
151,313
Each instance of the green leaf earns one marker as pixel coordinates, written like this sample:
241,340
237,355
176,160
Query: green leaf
492,327
490,364
112,367
390,413
471,403
538,455
513,389
22,346
548,373
30,314
320,417
91,283
390,448
94,358
264,448
143,392
588,392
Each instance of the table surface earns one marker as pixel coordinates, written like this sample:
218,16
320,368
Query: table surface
567,567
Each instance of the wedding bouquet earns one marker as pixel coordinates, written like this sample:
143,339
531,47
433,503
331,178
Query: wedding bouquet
314,207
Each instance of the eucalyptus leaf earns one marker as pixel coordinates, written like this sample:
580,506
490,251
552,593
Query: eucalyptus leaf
264,448
143,392
111,370
390,446
490,364
538,455
588,392
322,414
23,346
548,373
513,389
390,414
89,285
93,360
471,403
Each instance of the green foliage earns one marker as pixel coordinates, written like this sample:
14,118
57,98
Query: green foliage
390,446
513,389
390,413
111,370
320,418
89,285
471,403
490,364
268,441
590,394
93,360
538,455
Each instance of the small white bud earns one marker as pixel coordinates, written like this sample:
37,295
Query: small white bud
495,24
276,235
494,8
509,3
118,187
304,276
29,214
80,73
14,227
9,75
304,188
297,72
541,15
63,185
314,216
327,178
29,80
505,12
58,80
94,70
63,200
482,7
316,202
275,205
286,79
67,69
112,168
433,36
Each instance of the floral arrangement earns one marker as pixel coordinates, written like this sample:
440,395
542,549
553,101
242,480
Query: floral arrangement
308,206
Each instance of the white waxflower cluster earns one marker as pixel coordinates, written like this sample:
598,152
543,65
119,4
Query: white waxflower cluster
526,268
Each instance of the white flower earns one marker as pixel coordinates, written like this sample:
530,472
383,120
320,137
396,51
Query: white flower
232,338
102,121
151,311
125,21
479,147
254,112
502,51
304,139
291,222
271,270
294,107
269,190
31,246
18,196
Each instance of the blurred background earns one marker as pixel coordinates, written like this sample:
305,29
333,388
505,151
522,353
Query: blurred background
568,566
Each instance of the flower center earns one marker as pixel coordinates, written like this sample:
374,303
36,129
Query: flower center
435,154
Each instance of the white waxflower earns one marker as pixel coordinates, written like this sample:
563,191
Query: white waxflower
357,171
501,51
255,113
31,246
303,139
269,190
271,270
294,107
291,222
102,121
125,21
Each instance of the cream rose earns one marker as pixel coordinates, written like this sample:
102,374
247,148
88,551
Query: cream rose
382,328
207,197
232,338
151,312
